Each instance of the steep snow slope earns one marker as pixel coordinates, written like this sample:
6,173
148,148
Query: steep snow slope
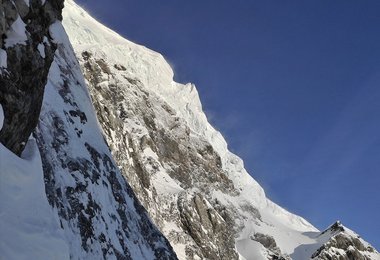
29,227
98,211
196,191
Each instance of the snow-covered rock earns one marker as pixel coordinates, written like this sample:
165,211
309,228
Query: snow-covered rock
93,212
100,216
107,183
196,191
336,242
23,70
29,227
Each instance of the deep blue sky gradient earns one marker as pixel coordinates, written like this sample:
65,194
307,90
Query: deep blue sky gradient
294,86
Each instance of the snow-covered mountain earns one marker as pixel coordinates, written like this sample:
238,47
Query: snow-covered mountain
196,191
98,211
29,228
93,212
127,165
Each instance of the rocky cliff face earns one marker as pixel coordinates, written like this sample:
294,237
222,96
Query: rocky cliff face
155,146
123,109
26,52
194,189
97,211
100,216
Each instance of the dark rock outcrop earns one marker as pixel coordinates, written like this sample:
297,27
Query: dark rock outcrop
23,78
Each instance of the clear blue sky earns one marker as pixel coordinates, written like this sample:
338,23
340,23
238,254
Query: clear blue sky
294,86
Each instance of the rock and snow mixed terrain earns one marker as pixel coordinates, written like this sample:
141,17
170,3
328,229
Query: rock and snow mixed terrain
29,226
23,70
93,212
99,214
142,169
195,190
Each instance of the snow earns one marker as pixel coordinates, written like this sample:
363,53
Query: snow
163,183
3,59
57,32
251,250
155,73
41,50
16,34
1,117
65,73
149,67
156,76
29,227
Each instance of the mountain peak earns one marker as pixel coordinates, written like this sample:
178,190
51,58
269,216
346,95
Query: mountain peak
339,241
335,228
208,205
127,165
